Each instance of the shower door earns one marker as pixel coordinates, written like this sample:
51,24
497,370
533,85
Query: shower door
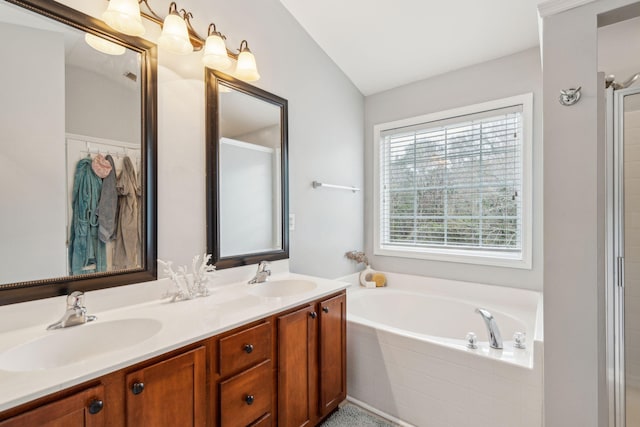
624,292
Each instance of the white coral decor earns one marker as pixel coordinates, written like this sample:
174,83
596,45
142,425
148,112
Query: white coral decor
187,286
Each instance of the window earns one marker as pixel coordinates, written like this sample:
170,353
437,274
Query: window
456,185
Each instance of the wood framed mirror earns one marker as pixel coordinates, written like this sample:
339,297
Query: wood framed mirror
247,173
78,115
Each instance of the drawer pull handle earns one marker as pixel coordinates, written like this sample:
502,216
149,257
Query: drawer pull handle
313,314
95,406
248,348
137,387
325,309
249,399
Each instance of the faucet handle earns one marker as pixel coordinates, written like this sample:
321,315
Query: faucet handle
519,339
472,340
75,299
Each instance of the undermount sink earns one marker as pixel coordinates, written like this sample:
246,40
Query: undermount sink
66,346
282,288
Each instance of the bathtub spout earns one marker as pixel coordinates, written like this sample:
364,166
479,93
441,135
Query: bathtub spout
495,340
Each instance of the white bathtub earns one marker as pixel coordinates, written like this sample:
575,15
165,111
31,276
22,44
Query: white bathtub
408,359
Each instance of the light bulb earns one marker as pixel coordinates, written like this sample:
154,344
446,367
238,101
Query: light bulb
124,16
246,68
215,53
175,36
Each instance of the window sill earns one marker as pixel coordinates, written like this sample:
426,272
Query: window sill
493,259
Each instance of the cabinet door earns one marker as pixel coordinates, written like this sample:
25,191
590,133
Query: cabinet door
82,409
169,393
333,341
296,368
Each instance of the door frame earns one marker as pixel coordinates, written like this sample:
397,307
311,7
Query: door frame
615,253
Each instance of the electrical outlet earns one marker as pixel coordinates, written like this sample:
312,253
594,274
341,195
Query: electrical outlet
292,222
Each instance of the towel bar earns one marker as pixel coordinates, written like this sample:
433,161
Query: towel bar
317,184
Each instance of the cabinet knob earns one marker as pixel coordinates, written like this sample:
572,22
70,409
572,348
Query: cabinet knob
137,387
325,309
248,348
95,406
313,314
249,399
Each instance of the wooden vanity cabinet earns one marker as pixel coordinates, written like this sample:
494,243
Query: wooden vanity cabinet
288,369
311,362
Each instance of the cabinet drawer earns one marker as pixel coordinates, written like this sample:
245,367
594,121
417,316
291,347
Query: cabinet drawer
247,396
245,348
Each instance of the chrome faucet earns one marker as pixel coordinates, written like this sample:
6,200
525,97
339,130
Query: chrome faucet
262,275
76,313
495,340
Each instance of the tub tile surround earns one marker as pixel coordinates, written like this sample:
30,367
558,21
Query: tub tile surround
183,323
422,382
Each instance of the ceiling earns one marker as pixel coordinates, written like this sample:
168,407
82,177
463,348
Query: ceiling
388,43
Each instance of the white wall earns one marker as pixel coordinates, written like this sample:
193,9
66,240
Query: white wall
33,156
500,78
574,232
325,133
98,106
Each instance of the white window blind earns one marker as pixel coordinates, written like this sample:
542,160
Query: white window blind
454,183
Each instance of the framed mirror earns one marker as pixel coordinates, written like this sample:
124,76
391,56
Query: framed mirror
247,173
78,153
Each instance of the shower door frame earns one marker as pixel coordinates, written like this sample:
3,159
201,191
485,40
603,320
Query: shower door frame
615,254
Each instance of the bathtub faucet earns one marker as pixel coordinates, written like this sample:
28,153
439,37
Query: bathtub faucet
495,340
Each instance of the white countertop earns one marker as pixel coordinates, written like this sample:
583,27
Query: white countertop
228,306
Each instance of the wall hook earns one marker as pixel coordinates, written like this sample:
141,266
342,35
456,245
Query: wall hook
570,96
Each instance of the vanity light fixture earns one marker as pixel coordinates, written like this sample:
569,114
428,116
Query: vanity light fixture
215,51
175,35
178,36
246,68
104,46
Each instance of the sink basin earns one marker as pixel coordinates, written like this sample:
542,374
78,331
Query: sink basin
282,288
66,346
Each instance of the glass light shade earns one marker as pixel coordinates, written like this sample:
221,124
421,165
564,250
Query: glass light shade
124,16
102,45
246,68
215,53
175,36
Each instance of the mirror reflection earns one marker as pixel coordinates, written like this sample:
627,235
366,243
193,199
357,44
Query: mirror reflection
250,195
71,161
248,164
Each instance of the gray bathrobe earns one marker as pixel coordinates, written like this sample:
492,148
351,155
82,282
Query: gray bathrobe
108,206
128,244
